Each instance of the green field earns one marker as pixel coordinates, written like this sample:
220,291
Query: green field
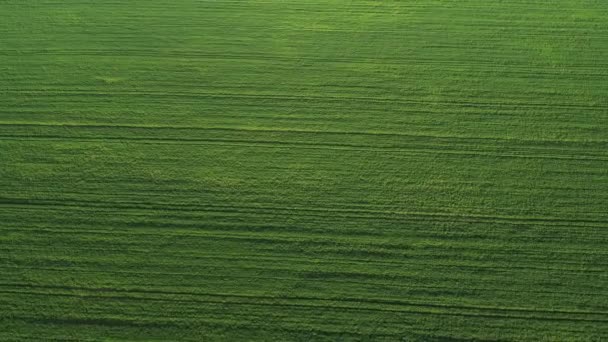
416,170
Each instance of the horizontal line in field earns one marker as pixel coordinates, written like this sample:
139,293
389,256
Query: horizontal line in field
295,131
269,96
209,207
349,304
302,145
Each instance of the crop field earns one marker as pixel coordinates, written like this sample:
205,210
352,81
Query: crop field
318,170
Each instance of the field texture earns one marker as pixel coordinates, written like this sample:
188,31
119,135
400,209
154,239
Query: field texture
304,170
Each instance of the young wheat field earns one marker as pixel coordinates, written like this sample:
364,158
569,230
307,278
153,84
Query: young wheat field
319,170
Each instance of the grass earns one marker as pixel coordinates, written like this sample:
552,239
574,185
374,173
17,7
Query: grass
318,170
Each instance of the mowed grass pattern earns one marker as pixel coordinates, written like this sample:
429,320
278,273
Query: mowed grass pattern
304,170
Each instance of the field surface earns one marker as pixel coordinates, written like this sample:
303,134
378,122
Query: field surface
417,170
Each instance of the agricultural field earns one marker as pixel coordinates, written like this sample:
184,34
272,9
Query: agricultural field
319,170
